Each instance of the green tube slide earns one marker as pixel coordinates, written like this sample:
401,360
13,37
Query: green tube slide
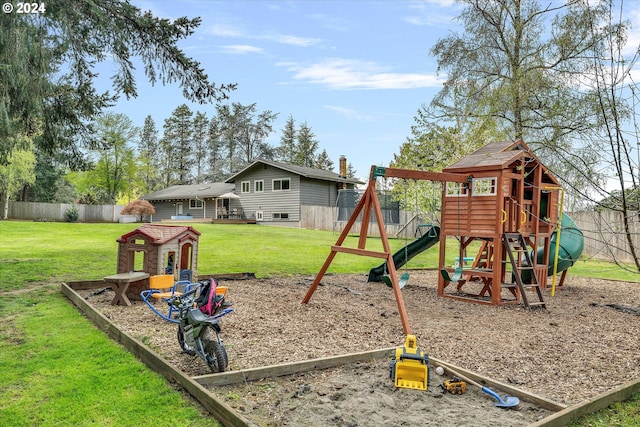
570,247
401,257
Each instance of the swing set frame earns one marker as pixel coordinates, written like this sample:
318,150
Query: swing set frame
368,203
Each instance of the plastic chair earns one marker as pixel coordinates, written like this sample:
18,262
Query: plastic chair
162,287
186,275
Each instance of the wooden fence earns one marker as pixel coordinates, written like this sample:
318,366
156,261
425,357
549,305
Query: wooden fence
604,236
603,231
326,218
36,211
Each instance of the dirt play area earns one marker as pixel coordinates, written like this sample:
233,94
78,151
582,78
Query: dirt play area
576,349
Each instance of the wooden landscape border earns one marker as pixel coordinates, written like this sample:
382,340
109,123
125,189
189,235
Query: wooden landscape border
227,416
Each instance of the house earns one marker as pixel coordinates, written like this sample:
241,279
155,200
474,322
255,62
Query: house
264,191
194,201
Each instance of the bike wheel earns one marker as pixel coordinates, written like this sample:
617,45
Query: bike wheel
216,356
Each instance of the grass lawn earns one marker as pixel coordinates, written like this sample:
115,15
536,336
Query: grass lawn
58,369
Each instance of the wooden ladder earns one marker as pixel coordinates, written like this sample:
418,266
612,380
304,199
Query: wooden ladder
520,259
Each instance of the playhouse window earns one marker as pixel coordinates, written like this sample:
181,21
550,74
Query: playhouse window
195,204
245,186
484,186
455,189
169,263
139,260
281,184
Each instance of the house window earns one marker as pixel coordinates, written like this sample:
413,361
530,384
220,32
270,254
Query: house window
245,187
456,189
195,204
258,186
280,216
484,186
281,184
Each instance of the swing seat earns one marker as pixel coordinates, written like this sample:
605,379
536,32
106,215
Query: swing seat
402,282
456,277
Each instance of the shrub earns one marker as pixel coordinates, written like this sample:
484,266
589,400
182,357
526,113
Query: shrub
139,207
72,214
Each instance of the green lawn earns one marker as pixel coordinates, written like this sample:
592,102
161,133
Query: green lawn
58,369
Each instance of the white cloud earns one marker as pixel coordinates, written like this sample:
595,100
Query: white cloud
426,12
349,113
241,49
236,32
633,40
350,74
290,40
225,31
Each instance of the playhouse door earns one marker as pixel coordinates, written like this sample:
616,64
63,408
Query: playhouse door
179,209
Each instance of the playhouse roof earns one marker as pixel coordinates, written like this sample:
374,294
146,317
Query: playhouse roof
159,234
497,155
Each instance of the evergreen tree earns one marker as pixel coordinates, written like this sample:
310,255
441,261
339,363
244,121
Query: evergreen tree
48,62
215,148
287,149
323,161
148,157
306,147
243,134
178,144
200,146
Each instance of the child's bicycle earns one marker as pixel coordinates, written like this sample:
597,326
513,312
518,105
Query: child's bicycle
198,333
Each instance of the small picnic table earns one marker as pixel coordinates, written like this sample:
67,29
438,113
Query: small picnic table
120,283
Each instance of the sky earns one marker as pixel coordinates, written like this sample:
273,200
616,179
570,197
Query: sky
356,72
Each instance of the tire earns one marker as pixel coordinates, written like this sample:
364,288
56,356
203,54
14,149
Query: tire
216,355
183,345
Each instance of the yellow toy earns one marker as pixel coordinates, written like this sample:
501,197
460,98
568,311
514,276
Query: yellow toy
410,368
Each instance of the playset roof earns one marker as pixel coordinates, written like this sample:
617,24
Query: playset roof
159,234
498,155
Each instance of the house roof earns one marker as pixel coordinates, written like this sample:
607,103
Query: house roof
192,191
304,171
159,234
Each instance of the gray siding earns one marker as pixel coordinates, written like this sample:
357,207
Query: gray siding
318,193
269,202
165,210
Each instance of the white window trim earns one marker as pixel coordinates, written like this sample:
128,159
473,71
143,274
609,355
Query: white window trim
192,206
281,180
255,185
492,186
242,184
452,191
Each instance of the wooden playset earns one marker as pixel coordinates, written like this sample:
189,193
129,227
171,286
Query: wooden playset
499,202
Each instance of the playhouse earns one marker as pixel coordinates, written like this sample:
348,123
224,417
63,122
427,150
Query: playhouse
503,217
159,249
